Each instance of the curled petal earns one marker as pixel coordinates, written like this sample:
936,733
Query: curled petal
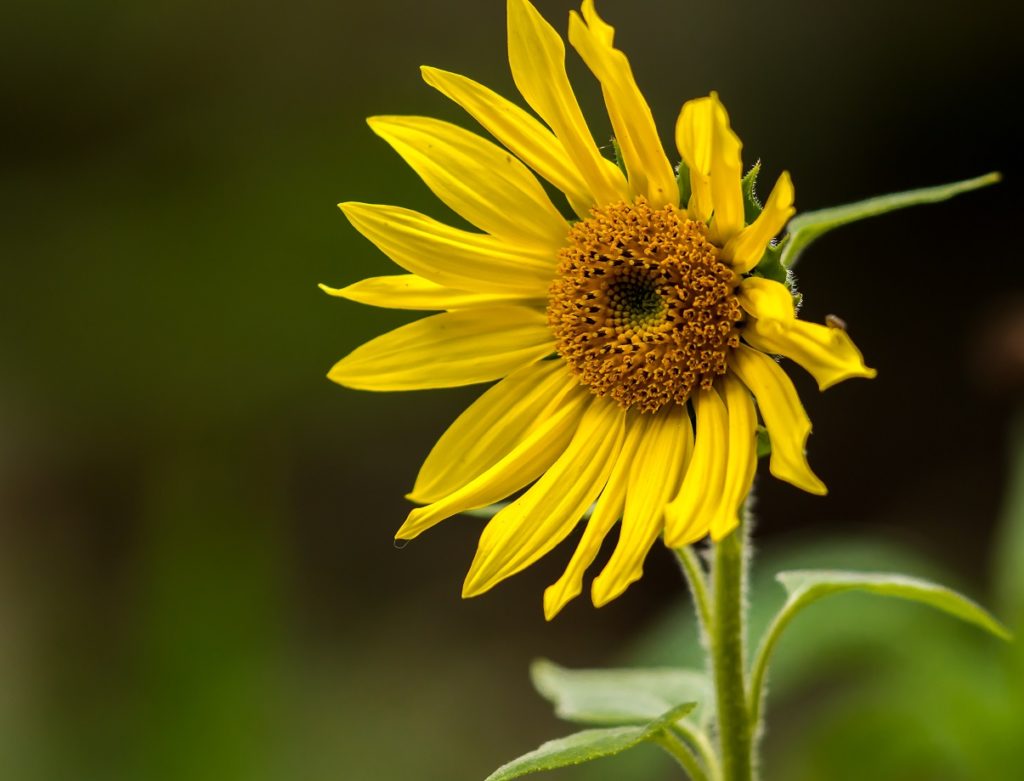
536,55
694,138
745,249
826,352
712,152
784,416
766,300
650,172
726,178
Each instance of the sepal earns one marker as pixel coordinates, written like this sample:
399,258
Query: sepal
770,266
620,161
764,442
683,180
751,204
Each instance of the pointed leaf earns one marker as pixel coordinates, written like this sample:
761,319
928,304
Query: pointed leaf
806,227
572,750
808,586
622,696
587,745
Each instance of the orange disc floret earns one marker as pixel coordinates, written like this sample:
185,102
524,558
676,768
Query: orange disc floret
643,309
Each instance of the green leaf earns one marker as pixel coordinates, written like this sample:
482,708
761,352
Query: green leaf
806,227
808,586
572,750
751,204
588,745
764,442
619,696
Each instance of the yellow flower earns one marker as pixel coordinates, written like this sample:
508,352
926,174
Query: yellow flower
630,345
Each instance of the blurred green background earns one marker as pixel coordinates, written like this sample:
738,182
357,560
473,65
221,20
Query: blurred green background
197,578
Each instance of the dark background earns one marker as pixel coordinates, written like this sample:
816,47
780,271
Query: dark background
197,578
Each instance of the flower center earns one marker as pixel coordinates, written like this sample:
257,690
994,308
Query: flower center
642,309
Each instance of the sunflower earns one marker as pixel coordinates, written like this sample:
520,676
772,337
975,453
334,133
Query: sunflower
634,344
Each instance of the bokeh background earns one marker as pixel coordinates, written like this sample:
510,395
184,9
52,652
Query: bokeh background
197,578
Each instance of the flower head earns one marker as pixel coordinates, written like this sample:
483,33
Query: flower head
633,345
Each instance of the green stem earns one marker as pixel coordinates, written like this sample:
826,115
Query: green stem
728,653
684,756
702,745
697,581
764,654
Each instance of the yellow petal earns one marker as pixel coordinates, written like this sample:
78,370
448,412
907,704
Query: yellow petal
490,428
712,152
744,250
477,179
767,300
827,352
784,416
688,517
694,138
542,517
409,291
524,136
742,458
653,480
607,511
650,172
726,177
452,257
443,351
527,461
536,55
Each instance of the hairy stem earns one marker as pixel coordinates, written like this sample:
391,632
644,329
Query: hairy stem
683,755
728,654
701,744
697,581
761,659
